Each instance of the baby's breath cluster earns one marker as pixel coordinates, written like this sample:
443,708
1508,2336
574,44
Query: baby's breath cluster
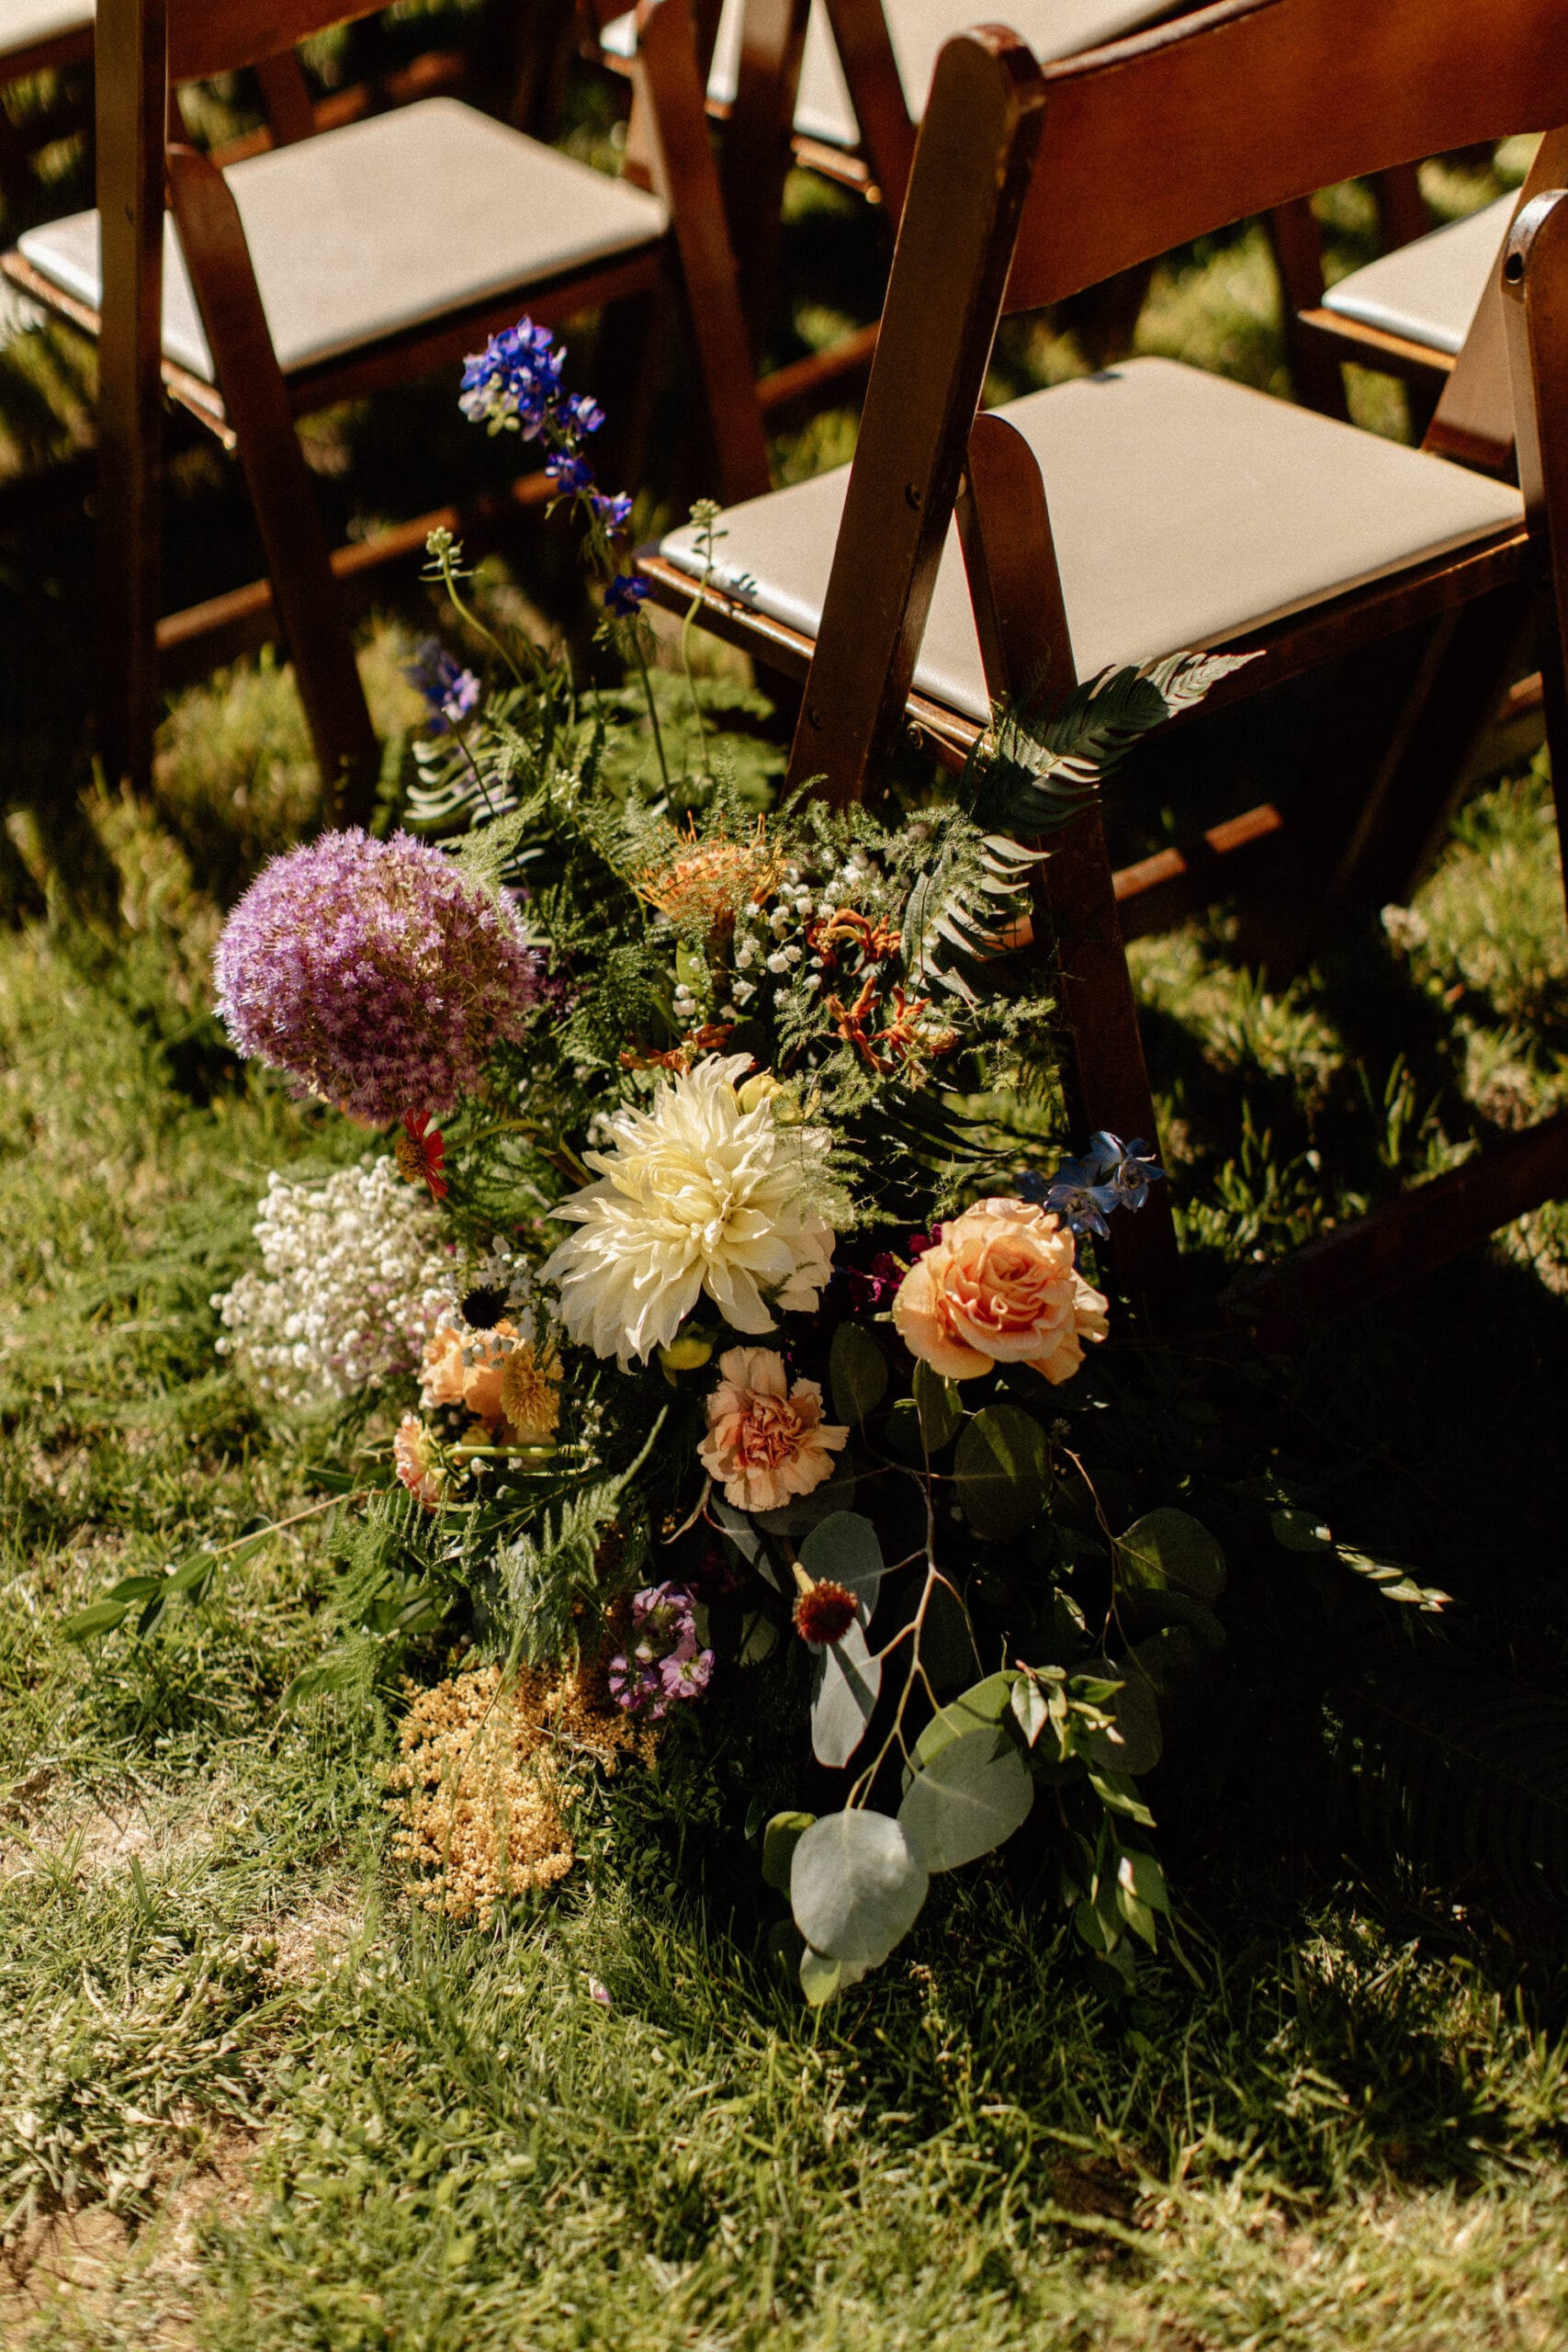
354,1280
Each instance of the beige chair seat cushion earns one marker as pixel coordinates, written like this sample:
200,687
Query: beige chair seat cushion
24,22
917,29
1428,291
1186,510
381,226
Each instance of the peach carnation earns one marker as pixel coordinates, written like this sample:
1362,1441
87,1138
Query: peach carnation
999,1285
766,1441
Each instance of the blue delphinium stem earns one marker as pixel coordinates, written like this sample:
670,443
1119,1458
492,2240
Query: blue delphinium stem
515,386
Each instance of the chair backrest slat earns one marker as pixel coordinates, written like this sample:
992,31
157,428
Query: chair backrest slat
211,37
1253,103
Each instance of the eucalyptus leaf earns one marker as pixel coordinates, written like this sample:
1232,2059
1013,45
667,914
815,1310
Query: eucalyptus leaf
1134,1747
843,1695
844,1547
1029,1708
1396,1582
856,1886
740,1531
857,1372
1301,1531
759,1638
1170,1660
1118,1794
903,1431
780,1838
1137,1915
967,1801
1140,1874
947,1643
821,1978
938,1404
803,1511
1168,1550
999,1469
978,1708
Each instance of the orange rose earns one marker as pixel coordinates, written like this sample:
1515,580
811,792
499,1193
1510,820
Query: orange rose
766,1441
999,1287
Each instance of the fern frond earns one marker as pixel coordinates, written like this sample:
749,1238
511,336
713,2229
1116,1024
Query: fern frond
1034,777
965,910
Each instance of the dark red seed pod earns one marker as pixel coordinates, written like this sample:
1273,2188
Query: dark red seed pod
825,1614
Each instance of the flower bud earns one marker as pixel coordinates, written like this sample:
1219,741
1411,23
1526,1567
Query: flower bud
688,1354
757,1090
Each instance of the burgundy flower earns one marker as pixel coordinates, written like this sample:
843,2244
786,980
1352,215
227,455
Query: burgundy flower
825,1614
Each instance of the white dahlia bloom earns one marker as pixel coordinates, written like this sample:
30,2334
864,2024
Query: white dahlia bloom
696,1194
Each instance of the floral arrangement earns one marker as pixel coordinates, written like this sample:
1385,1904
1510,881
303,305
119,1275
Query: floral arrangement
744,1289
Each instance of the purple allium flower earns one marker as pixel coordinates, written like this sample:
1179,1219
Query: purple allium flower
624,595
450,691
372,972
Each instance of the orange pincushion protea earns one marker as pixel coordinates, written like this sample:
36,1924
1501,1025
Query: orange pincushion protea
704,889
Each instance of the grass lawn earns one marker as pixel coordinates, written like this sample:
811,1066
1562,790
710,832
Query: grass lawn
252,2098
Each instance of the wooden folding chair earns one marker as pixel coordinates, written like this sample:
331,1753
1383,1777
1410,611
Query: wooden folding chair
867,67
838,87
1407,314
328,268
46,36
1154,507
37,37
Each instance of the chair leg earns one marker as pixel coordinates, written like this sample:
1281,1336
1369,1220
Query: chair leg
1535,306
1105,1077
1458,690
282,495
1298,259
1365,701
1015,591
130,99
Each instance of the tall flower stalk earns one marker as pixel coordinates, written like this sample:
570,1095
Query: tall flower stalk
515,386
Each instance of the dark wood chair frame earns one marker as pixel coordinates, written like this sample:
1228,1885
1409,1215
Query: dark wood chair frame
1320,342
756,163
1020,196
146,49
